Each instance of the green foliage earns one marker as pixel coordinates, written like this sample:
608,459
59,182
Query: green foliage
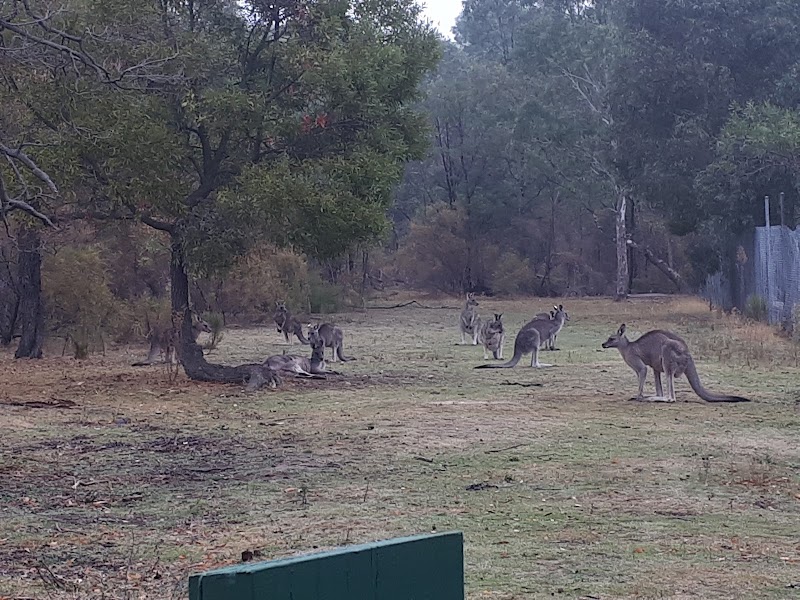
80,305
756,308
324,297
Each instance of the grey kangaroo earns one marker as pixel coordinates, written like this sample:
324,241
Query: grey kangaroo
550,342
529,339
287,324
331,337
664,352
300,365
493,336
470,323
163,341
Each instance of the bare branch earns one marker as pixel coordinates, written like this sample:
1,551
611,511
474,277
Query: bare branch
31,165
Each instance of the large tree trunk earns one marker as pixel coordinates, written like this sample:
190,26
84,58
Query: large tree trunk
189,351
9,308
31,308
622,246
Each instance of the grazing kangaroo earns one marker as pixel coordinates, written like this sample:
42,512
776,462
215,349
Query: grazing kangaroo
287,324
331,337
664,352
529,339
300,365
470,322
493,336
163,341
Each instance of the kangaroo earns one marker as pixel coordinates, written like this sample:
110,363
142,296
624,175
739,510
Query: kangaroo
300,365
287,324
662,351
529,339
550,342
330,337
163,341
492,336
470,323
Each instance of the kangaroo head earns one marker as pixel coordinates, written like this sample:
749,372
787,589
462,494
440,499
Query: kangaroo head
280,306
616,340
559,310
200,325
498,316
471,299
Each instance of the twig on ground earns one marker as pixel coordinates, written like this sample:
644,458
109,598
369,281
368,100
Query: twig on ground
507,448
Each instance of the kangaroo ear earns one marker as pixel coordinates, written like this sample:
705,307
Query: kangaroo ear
622,329
555,307
560,307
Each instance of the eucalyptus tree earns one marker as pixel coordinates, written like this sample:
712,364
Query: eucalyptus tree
286,119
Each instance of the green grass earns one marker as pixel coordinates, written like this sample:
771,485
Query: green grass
585,493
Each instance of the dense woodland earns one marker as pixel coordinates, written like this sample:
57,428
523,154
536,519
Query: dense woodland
170,156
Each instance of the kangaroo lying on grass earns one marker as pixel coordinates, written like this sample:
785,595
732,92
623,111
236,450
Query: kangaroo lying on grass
492,335
331,337
664,352
163,342
300,365
287,324
529,339
469,323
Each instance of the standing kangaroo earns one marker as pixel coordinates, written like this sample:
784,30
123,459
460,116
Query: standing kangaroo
493,336
287,324
529,339
331,337
550,342
664,352
470,323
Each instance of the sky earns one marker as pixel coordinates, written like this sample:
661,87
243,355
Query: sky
442,13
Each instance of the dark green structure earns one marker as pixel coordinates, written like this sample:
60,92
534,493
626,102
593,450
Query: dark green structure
425,567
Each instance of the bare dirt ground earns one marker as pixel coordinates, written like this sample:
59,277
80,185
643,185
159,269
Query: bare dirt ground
117,483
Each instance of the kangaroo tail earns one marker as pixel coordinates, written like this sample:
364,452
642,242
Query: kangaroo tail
507,365
342,357
694,381
302,338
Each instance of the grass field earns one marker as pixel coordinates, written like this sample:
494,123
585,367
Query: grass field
567,490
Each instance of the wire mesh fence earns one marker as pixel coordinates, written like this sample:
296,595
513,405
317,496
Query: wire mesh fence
763,279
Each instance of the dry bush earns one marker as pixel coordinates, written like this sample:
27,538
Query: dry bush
78,298
259,279
434,254
512,274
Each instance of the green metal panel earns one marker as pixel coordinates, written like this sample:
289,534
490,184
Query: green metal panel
425,567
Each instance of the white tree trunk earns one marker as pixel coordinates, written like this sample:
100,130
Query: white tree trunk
622,246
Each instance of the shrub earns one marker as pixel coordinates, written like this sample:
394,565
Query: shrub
512,274
259,279
78,298
756,308
324,297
